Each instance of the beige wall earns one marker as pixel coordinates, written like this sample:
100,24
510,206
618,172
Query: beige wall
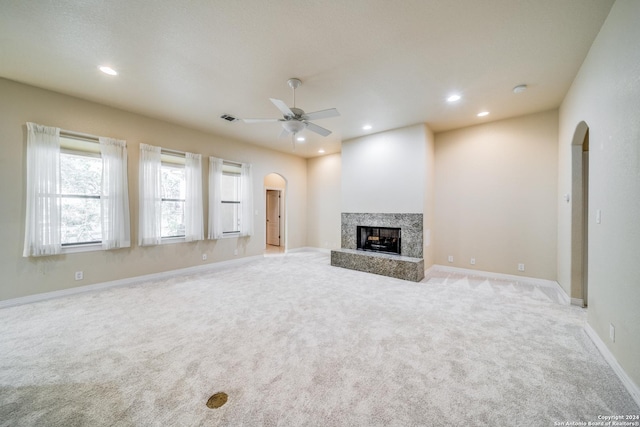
495,196
606,96
323,179
26,276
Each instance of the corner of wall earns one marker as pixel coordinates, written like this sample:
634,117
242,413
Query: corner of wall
429,198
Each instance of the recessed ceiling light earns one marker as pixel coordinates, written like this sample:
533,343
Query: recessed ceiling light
108,70
519,88
454,98
482,114
321,151
366,127
300,138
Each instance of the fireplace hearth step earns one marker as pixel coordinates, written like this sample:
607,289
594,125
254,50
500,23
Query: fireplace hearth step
399,267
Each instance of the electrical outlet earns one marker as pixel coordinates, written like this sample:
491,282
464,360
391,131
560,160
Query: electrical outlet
612,332
473,261
520,267
79,275
204,257
450,258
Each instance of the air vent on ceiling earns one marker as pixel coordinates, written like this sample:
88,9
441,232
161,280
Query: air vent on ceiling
229,118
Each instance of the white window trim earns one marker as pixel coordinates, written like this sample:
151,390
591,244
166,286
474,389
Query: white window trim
82,247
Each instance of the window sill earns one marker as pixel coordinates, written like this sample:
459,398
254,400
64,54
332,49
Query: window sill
230,235
171,240
81,248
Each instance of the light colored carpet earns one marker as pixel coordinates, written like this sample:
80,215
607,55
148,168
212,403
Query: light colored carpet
296,342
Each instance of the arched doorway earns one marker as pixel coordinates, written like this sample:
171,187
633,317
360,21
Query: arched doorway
275,187
580,216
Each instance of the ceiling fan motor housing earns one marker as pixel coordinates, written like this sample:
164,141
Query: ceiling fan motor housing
298,112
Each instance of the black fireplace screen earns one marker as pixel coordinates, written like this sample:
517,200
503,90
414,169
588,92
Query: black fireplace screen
379,239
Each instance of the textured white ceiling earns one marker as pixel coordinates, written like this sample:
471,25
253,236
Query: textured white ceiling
388,63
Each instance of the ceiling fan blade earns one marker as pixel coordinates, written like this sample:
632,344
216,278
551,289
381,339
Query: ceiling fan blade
280,105
259,120
317,129
322,114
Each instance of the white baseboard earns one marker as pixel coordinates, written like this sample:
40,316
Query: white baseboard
429,270
533,280
127,281
628,383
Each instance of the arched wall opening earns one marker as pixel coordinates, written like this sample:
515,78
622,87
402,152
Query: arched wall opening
275,202
580,215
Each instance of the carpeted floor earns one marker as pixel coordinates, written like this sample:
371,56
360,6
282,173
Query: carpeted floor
293,341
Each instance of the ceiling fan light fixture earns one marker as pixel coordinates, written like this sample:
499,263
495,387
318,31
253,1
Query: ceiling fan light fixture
293,126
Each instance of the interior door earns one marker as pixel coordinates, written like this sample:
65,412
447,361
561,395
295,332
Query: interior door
273,217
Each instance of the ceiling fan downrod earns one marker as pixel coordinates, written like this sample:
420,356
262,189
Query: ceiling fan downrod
294,83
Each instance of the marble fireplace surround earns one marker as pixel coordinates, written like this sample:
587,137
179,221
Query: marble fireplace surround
411,234
409,265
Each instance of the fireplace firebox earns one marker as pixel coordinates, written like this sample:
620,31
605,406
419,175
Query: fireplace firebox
379,239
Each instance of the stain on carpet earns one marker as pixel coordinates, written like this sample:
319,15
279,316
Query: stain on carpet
217,400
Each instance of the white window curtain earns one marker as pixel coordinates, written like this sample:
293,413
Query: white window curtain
215,197
246,201
43,211
115,194
150,192
193,222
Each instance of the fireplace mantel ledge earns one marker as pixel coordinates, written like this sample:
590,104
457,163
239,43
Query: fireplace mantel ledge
378,254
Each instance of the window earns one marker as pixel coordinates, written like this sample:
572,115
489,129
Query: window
230,199
80,188
170,196
77,192
173,198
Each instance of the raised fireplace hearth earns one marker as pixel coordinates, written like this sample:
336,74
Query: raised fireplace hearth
386,244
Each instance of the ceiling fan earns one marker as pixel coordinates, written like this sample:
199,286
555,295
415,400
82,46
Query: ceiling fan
295,120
